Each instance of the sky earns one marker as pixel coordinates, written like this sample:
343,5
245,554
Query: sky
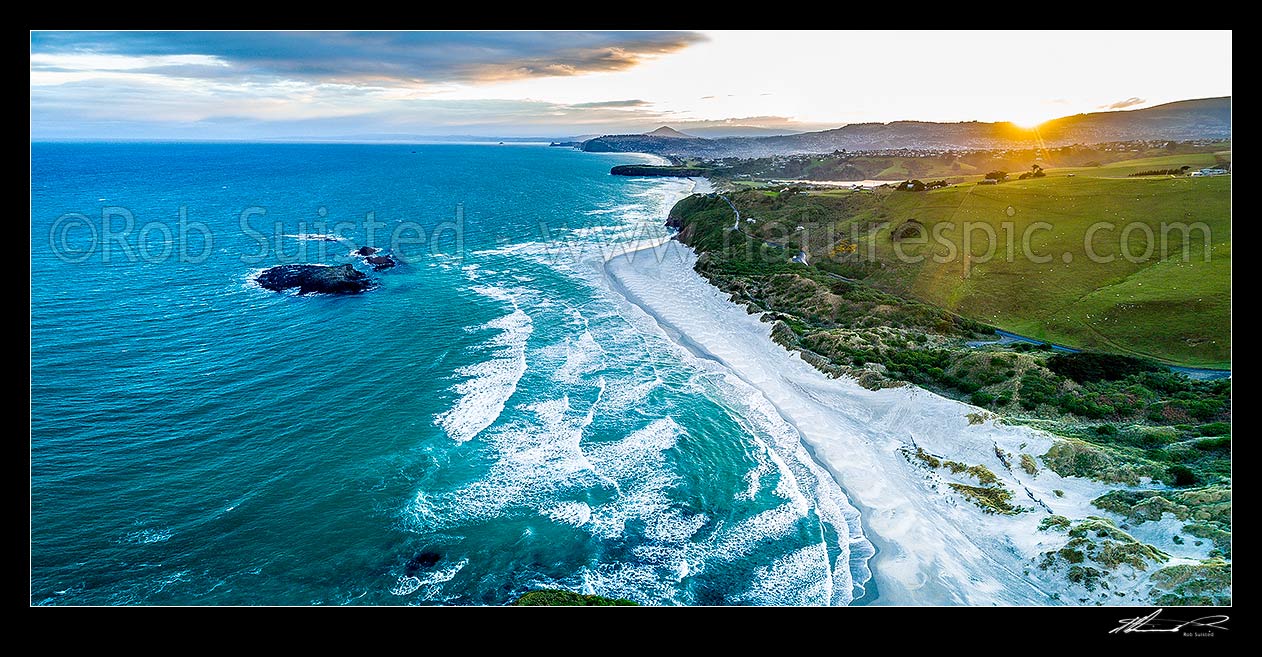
384,85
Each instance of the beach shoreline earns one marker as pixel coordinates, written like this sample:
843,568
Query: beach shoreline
930,547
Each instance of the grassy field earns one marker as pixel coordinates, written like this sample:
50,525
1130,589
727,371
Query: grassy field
1127,167
1097,161
1160,304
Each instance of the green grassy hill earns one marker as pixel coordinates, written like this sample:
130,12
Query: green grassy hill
1127,167
1102,160
1171,308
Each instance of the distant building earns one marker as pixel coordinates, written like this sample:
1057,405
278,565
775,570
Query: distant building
988,181
1211,172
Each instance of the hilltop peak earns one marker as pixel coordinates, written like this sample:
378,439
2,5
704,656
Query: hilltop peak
667,131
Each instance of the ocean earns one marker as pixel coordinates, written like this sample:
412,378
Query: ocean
495,416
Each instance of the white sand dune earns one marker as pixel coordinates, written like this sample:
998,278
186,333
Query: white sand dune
934,546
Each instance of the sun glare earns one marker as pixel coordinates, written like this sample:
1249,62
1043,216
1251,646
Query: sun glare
1030,121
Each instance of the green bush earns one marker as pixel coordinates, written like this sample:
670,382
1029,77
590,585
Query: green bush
1085,366
1054,522
1222,443
558,598
1167,382
1201,409
1181,475
991,499
1214,429
1035,389
1078,405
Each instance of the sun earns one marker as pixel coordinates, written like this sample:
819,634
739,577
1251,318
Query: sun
1030,120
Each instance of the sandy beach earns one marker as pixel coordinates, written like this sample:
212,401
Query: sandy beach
934,547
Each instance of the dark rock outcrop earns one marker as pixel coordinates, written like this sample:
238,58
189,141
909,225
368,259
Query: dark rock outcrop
375,258
422,561
658,171
381,262
315,279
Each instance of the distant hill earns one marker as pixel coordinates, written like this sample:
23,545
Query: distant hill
651,144
739,131
668,132
1208,118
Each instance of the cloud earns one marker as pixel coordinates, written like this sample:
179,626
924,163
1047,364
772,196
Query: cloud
1123,104
154,107
373,58
276,81
250,85
143,106
611,103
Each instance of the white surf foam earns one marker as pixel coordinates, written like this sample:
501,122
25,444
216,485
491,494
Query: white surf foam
489,384
583,356
636,466
570,513
312,237
541,460
537,461
429,585
146,536
800,480
799,578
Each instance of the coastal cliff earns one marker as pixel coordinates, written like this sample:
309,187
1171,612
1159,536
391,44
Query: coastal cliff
659,171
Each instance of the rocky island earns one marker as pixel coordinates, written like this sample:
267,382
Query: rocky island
373,257
381,262
315,279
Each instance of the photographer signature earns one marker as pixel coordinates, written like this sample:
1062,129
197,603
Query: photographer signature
1151,623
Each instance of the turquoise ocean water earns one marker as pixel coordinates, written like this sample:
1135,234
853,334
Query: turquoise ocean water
492,418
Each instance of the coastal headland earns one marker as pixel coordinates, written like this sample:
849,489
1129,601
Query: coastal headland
1087,476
